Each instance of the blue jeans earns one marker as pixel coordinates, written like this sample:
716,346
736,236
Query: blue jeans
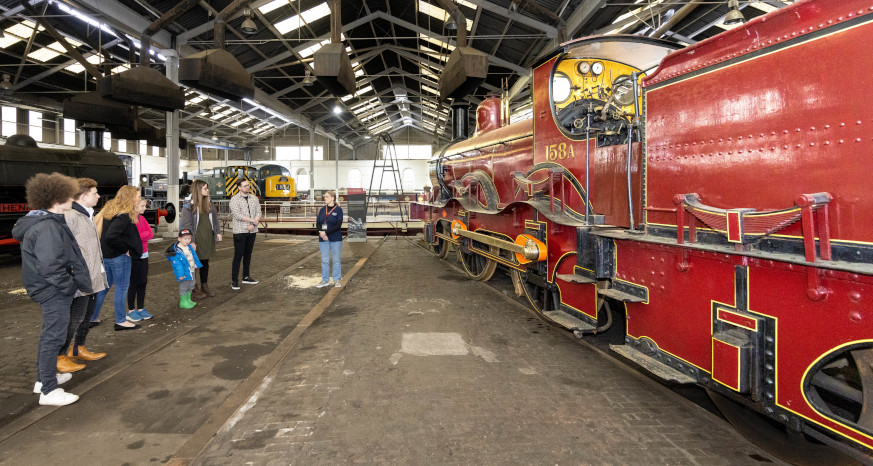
117,273
55,322
330,248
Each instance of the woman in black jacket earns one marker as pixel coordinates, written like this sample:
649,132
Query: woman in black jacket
330,239
119,240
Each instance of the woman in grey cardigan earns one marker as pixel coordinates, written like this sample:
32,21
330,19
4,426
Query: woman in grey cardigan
200,216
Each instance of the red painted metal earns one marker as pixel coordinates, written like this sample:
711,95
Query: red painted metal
749,122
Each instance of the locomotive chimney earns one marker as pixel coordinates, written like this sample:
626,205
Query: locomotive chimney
93,135
460,128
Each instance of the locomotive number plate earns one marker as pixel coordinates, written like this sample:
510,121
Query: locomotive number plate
283,187
560,151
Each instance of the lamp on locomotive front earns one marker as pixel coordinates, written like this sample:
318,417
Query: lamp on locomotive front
734,16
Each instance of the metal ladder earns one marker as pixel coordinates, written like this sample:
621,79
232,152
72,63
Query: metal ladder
387,164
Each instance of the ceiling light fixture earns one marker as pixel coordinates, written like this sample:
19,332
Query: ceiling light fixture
734,16
308,80
214,136
6,84
337,109
248,25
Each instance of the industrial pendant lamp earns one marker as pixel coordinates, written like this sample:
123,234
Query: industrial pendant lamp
308,80
6,84
248,26
734,16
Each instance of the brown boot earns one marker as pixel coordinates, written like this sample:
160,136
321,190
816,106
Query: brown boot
84,354
198,293
65,364
206,290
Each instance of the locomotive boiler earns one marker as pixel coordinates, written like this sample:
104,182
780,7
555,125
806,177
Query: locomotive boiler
706,208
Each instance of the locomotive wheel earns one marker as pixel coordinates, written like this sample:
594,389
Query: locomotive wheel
441,249
775,438
478,267
541,299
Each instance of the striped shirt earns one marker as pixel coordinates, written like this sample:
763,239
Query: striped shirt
244,206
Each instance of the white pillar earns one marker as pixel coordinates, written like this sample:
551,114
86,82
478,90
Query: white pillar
312,164
173,155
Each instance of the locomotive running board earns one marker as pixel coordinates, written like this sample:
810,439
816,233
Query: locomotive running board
569,322
620,295
652,365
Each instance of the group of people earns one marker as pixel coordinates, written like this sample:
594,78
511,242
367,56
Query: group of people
71,257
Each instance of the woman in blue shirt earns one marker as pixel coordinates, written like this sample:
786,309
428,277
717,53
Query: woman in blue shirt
330,238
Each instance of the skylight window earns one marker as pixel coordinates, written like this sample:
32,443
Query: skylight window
275,4
430,89
360,92
436,42
17,33
51,51
307,17
440,14
77,68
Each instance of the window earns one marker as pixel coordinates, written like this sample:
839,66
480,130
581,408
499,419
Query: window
408,180
107,140
411,152
156,151
10,118
298,153
302,180
355,178
69,132
35,125
122,145
143,148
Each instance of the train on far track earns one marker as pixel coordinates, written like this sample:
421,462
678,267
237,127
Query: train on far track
706,210
21,158
270,182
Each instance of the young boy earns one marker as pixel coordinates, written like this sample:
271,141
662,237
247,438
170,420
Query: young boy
185,261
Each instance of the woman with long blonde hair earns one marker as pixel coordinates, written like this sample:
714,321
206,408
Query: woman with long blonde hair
119,241
201,217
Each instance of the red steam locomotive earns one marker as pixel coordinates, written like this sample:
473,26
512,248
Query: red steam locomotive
709,204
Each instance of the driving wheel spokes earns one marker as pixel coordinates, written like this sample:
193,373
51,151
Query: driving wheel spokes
478,267
441,249
539,297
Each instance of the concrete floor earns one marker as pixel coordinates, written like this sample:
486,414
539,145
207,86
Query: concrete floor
409,363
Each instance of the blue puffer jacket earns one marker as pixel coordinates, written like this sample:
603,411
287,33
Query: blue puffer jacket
180,263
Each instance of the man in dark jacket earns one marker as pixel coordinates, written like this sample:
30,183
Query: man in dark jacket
53,272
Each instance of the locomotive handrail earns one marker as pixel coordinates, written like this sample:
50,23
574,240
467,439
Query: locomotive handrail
746,225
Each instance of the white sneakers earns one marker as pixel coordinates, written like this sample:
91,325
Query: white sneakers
322,284
62,377
57,397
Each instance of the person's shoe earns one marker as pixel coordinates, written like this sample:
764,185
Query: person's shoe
209,293
249,281
93,323
234,285
80,352
322,284
133,316
198,293
185,301
337,284
57,397
145,314
62,379
66,364
119,328
191,300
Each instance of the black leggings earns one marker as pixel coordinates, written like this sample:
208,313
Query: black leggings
139,277
204,271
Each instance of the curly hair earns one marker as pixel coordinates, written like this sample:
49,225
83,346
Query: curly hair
202,203
85,185
44,191
125,202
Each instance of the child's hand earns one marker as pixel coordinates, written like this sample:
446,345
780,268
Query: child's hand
181,278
